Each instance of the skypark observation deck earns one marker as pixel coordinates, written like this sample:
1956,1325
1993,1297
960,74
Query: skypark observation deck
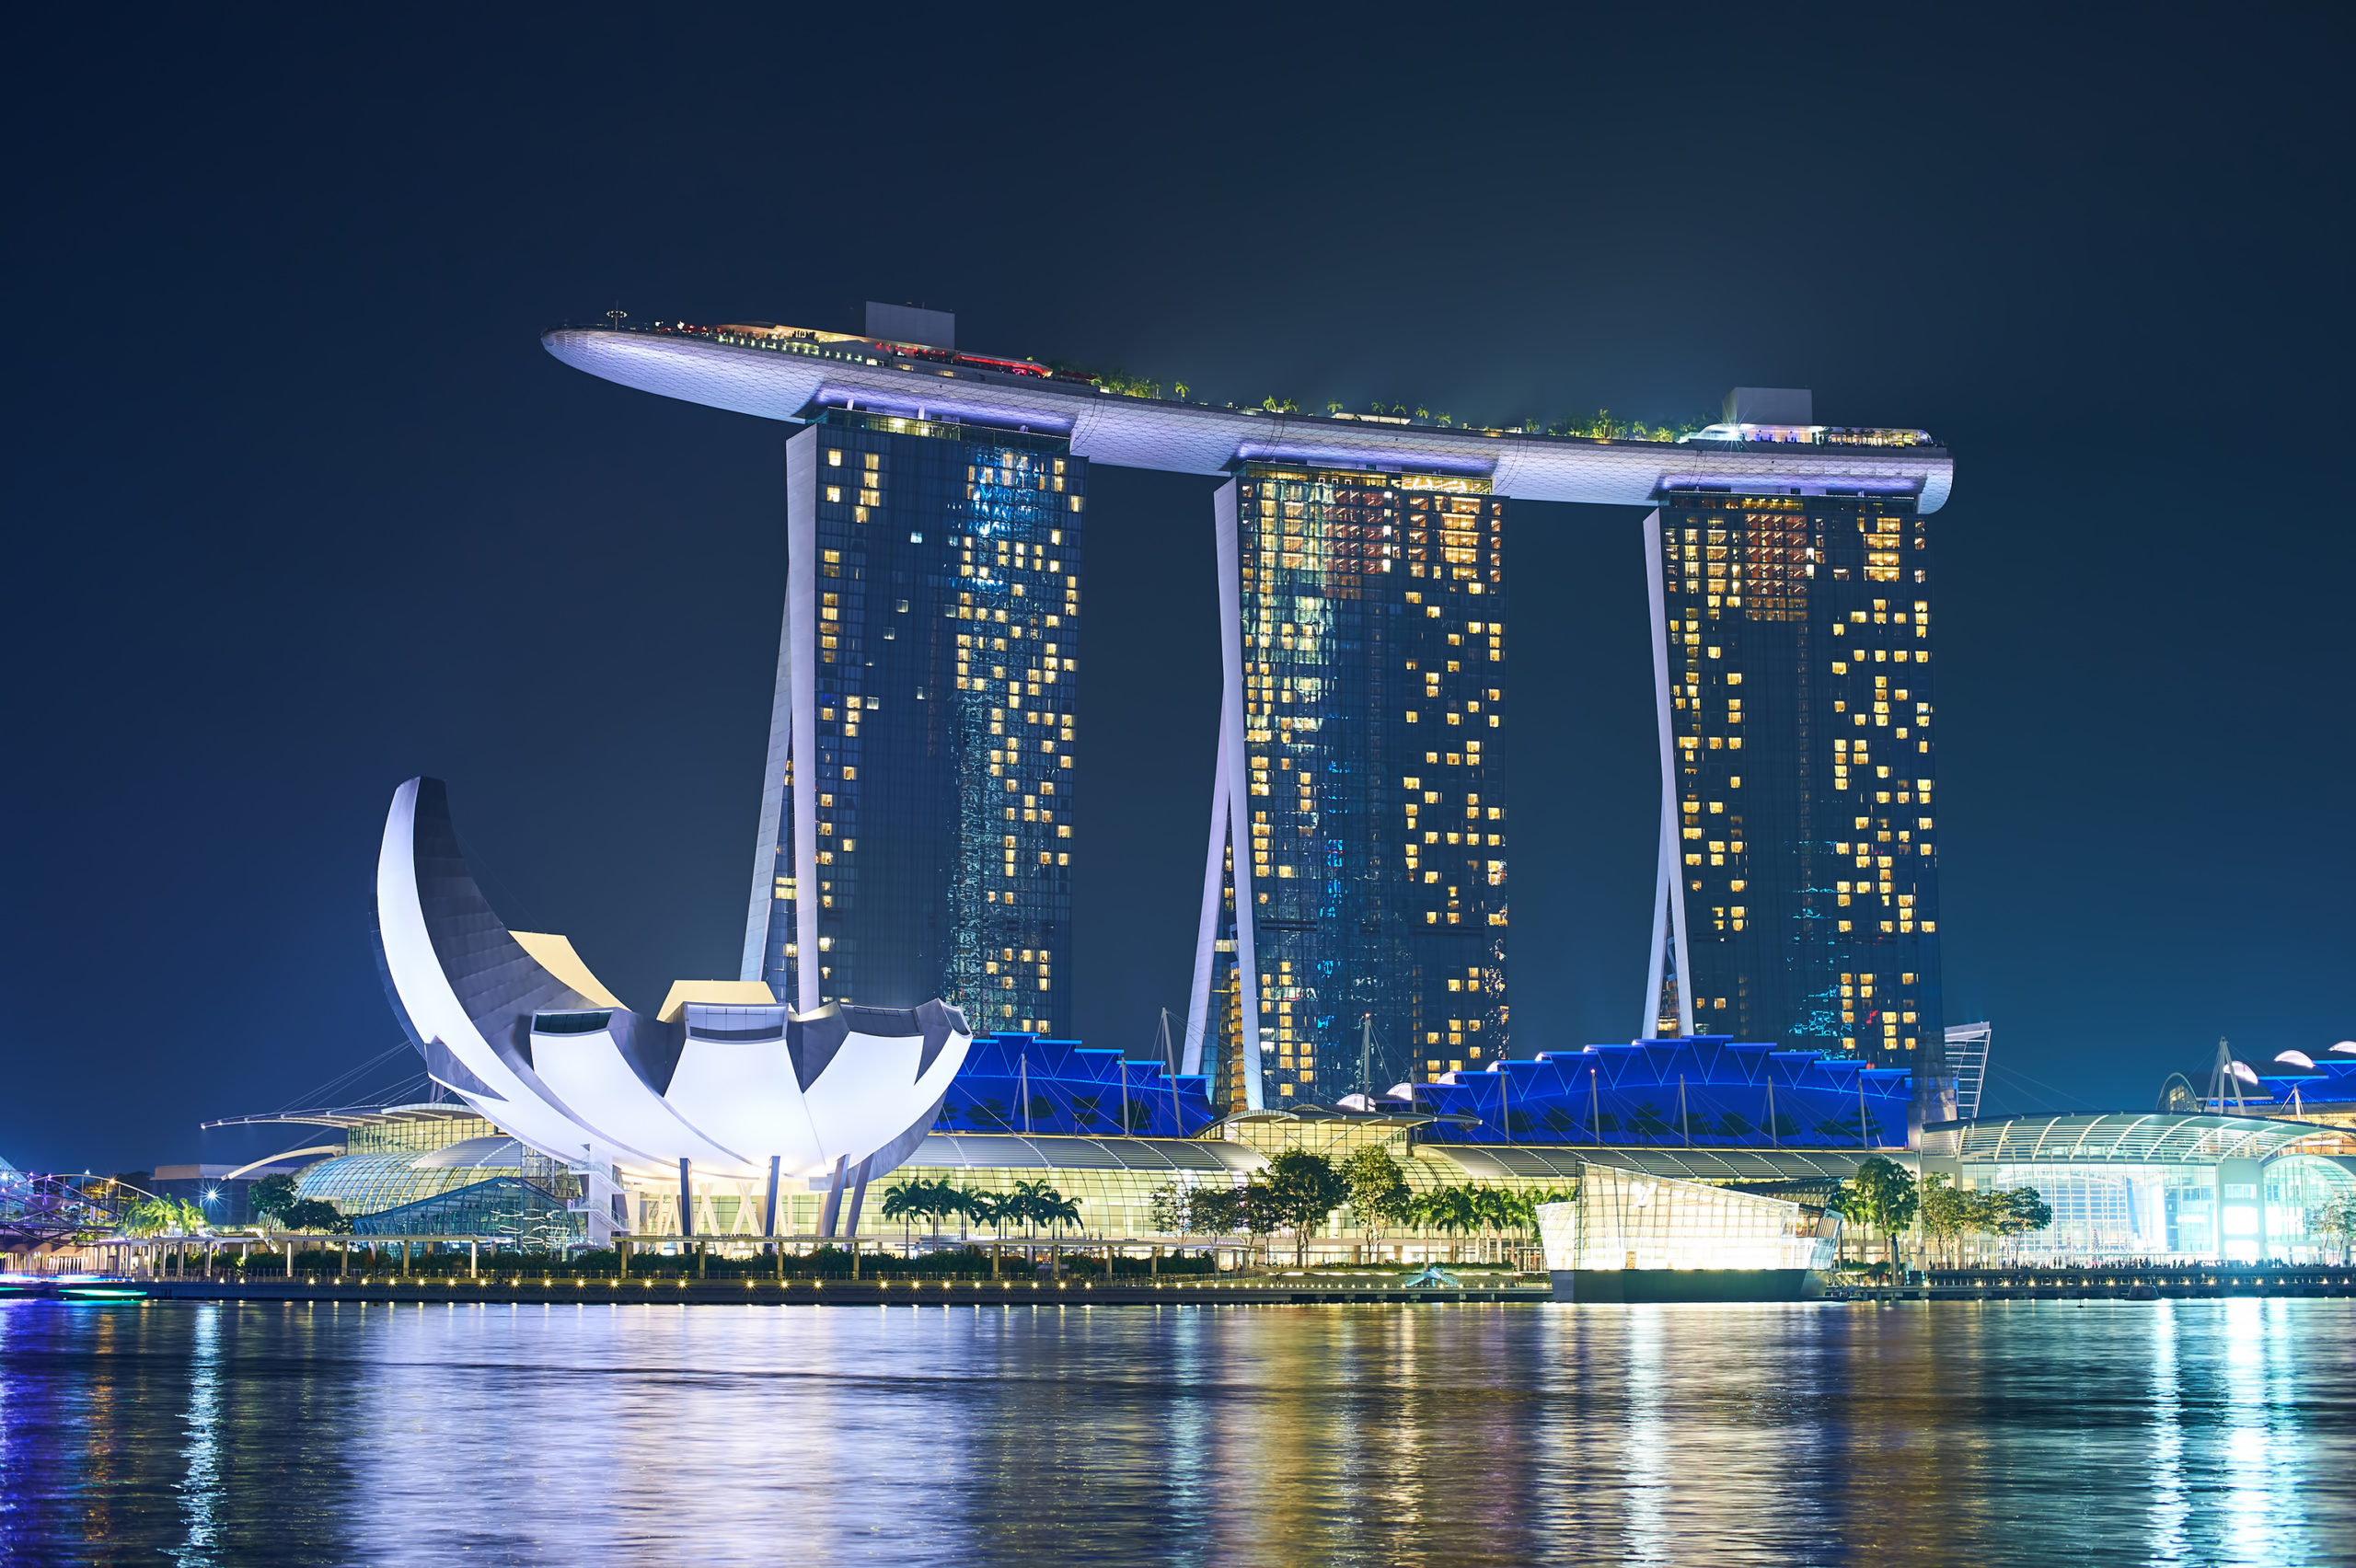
775,372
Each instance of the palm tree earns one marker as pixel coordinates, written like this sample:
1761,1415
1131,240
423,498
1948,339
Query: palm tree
1030,1202
1056,1209
905,1200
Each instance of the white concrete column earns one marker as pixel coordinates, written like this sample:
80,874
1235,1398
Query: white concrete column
1668,895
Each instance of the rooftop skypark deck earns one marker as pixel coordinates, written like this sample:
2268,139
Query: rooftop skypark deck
773,371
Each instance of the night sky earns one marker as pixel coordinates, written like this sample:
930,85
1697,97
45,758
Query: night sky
297,507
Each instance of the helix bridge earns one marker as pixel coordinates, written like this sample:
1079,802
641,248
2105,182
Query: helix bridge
38,1212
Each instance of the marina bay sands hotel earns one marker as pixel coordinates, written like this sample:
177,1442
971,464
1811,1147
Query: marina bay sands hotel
927,739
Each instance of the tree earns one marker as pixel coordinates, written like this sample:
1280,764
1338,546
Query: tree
1883,1195
1035,1204
1648,1121
314,1217
1379,1189
905,1199
1054,1209
965,1202
157,1217
1734,1125
1558,1121
1257,1207
1305,1190
2335,1218
2016,1211
1947,1214
1213,1211
270,1197
1447,1210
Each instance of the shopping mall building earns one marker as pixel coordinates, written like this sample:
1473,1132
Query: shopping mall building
2161,1185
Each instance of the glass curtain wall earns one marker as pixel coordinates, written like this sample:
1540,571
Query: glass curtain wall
1624,1219
1374,699
1800,733
945,652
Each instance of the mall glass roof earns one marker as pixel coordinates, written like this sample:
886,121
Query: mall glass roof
2155,1137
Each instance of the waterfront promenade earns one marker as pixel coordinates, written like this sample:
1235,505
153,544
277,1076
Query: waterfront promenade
557,1290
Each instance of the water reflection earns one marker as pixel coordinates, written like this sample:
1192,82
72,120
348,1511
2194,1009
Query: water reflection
201,1456
2169,1508
1997,1434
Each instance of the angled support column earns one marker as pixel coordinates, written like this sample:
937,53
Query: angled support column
1198,998
1668,892
1230,838
789,794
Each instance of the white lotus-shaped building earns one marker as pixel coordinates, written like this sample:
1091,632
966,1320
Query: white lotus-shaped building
722,1082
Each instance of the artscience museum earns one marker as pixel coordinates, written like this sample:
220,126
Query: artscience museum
722,1080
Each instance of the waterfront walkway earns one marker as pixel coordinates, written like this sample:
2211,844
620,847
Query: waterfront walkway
2158,1283
536,1290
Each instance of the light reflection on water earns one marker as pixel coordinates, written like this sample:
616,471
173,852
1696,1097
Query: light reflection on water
2167,1432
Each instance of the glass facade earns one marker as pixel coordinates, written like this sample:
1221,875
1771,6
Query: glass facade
1373,670
943,650
1628,1220
360,1184
505,1207
1799,850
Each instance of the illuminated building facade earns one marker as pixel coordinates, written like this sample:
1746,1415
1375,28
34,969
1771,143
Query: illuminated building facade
916,824
1778,901
1798,900
1357,865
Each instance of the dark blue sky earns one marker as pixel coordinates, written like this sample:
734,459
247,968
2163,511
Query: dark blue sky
297,506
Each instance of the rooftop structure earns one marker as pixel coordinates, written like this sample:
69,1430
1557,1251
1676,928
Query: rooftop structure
1023,1083
777,373
1700,1091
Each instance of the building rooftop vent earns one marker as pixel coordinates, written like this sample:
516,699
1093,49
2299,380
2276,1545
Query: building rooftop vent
927,329
1745,404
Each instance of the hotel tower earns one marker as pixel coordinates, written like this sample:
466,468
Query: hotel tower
1356,875
1792,630
915,833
